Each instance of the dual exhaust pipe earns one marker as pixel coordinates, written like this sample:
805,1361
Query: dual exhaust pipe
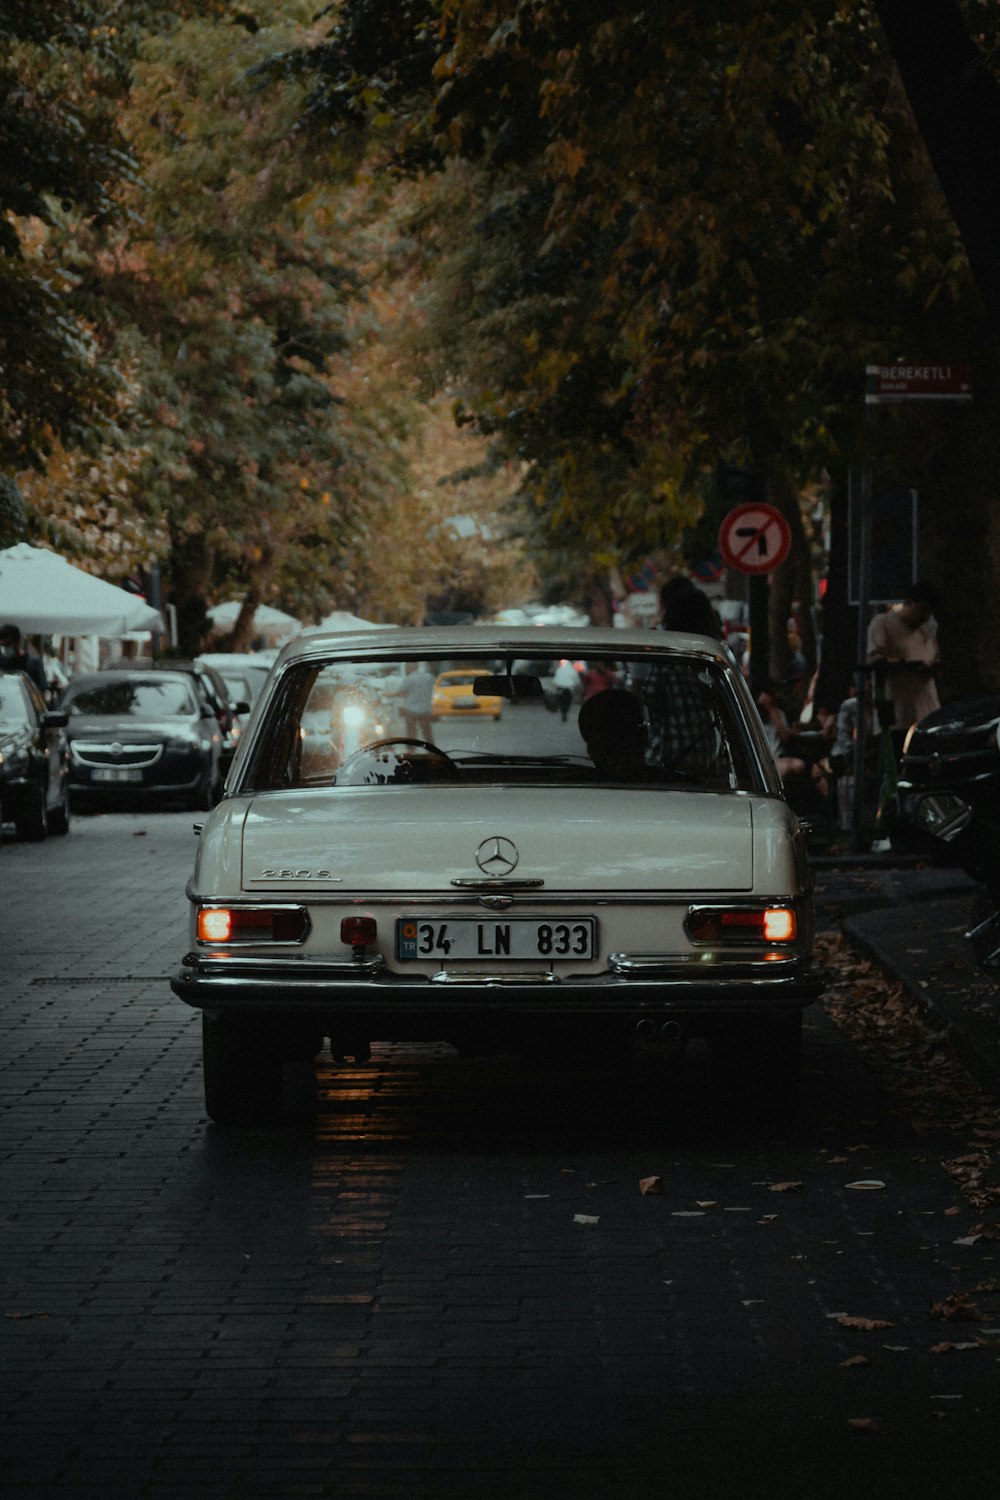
648,1030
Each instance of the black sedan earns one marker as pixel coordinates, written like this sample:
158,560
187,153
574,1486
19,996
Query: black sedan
34,760
142,735
948,797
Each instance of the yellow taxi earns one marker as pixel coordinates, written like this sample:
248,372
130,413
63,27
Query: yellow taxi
454,696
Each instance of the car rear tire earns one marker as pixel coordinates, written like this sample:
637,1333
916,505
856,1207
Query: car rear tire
243,1066
32,822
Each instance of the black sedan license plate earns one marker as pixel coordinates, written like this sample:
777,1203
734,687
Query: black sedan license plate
496,937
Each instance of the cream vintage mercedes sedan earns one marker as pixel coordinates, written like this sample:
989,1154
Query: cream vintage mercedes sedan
627,876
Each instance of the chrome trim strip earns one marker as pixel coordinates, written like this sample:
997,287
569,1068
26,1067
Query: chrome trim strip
493,979
561,898
346,968
686,965
484,883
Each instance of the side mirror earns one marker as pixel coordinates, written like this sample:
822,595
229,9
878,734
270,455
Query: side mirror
56,718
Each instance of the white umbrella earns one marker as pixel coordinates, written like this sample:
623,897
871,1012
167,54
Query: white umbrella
44,594
267,621
342,619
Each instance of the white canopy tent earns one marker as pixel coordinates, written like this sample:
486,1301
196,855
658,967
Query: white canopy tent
342,619
43,594
274,624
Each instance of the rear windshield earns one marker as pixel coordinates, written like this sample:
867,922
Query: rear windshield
132,698
659,720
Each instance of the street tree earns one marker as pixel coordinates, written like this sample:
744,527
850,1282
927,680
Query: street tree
232,286
661,239
59,150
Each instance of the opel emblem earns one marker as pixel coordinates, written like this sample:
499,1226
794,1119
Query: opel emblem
496,856
117,750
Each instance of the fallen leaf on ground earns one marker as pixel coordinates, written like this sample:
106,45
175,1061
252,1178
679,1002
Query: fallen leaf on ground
785,1187
956,1309
863,1424
650,1185
870,1183
870,1324
855,1359
586,1219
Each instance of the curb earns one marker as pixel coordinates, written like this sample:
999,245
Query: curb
966,1004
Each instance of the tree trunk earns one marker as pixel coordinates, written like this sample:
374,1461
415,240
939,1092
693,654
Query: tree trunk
191,565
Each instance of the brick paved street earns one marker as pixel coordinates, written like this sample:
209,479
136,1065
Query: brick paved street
402,1301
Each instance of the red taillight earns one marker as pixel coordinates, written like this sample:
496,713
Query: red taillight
360,932
252,924
770,924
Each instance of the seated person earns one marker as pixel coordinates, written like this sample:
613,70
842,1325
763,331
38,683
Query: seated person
780,736
614,732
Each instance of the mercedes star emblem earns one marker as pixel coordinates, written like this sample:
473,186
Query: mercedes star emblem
496,856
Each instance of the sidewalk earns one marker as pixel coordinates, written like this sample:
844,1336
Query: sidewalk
911,920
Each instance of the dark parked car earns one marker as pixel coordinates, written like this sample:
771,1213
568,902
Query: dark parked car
142,734
211,686
948,797
34,760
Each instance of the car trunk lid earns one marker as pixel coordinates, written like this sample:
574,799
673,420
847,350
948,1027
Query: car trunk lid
424,839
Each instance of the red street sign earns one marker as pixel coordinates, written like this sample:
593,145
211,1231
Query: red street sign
755,538
888,383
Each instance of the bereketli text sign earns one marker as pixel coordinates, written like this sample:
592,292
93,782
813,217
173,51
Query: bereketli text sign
915,382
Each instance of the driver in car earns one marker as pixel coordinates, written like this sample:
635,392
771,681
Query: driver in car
614,732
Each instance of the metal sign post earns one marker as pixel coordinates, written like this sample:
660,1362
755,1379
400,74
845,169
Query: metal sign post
754,538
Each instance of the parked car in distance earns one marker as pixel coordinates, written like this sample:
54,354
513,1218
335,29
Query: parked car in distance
243,672
626,880
34,760
139,735
453,694
212,688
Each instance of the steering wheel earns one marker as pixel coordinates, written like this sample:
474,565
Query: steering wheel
444,761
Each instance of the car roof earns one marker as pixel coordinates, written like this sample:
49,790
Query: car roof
487,641
95,679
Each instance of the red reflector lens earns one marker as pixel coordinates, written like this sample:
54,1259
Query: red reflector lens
360,932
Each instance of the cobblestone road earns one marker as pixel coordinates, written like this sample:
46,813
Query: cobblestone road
452,1285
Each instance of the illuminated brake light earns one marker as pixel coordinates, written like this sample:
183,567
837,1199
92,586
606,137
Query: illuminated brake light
780,925
773,924
214,926
252,924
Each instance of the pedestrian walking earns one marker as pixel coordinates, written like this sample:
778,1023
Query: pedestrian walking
418,701
566,681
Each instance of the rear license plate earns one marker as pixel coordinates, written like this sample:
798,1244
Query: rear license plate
118,773
496,938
